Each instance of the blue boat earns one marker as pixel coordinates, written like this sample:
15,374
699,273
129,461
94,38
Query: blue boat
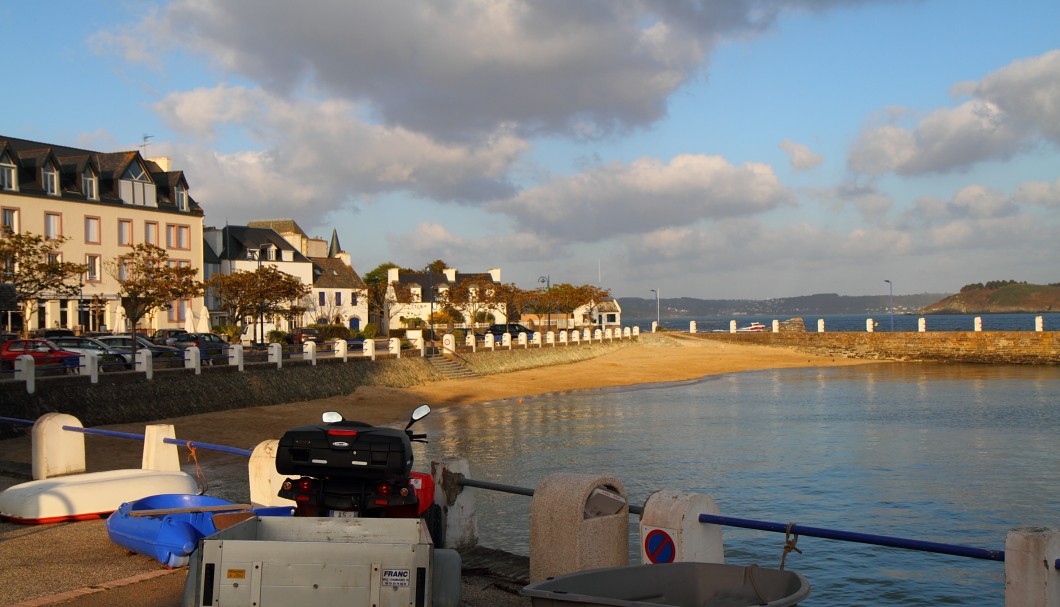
168,527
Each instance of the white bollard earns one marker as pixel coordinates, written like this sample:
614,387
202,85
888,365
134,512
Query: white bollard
265,482
490,341
921,325
536,339
448,344
654,326
159,455
523,341
341,349
506,341
550,339
670,531
235,356
563,338
26,370
776,326
869,325
276,355
820,325
470,341
394,345
145,360
636,332
692,326
978,323
587,336
90,366
309,352
575,336
732,326
1031,577
369,348
459,520
57,452
192,360
1039,324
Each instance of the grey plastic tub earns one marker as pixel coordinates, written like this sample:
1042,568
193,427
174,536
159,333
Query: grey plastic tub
672,585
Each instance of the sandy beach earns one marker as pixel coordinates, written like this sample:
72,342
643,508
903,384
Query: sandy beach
46,561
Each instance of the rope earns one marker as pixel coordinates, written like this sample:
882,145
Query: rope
194,457
749,576
790,539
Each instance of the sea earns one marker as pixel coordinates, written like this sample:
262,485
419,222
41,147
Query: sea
958,454
856,322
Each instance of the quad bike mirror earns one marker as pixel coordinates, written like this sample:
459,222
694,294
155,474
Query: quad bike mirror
330,417
421,412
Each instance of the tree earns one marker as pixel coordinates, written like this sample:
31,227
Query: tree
385,299
476,297
235,293
148,280
273,292
32,265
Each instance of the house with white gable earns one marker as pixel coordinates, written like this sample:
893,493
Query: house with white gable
418,295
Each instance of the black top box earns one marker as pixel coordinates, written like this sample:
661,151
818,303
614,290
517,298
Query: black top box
345,450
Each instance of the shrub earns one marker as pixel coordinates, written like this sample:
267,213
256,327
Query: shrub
277,337
370,331
331,332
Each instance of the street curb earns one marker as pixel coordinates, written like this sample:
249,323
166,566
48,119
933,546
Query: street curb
70,595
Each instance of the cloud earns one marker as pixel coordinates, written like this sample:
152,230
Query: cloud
1040,193
800,157
435,241
1011,109
324,162
620,198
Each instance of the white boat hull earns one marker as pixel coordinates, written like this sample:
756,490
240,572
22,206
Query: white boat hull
87,496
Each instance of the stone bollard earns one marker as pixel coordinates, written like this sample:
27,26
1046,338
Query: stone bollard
26,370
459,521
395,346
776,326
1039,324
309,352
369,348
654,326
192,359
145,360
56,451
978,324
578,522
265,482
692,326
820,325
235,356
670,531
869,325
276,355
1031,577
159,455
342,349
90,366
921,325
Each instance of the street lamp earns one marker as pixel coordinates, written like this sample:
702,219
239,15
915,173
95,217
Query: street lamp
657,318
547,281
255,254
890,301
430,293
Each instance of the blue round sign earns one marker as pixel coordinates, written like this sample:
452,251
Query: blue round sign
659,546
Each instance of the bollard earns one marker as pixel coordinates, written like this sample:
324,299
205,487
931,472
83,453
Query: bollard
192,360
90,366
506,340
523,341
448,344
394,344
692,326
550,339
869,325
636,332
654,326
1031,577
921,325
578,522
276,355
459,526
159,455
732,326
26,370
470,341
235,356
369,348
820,325
55,451
978,324
1039,324
776,326
537,339
670,531
265,482
309,351
145,360
563,338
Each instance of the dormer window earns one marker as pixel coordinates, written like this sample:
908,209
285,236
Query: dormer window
50,179
8,174
136,187
268,252
181,198
90,185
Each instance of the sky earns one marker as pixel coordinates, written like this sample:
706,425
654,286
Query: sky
720,149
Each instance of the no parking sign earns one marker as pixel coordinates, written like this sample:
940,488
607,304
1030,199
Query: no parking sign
659,547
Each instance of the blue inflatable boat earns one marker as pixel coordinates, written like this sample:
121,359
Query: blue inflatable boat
168,527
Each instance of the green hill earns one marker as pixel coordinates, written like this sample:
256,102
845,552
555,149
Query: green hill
1001,296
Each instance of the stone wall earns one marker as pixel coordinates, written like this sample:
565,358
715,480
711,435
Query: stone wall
993,347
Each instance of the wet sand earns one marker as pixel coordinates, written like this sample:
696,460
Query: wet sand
45,561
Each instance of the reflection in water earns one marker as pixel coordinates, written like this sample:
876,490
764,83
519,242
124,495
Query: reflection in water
956,454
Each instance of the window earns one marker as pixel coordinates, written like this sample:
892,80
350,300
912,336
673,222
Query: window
270,252
93,263
151,232
322,299
92,230
50,179
353,298
8,174
135,186
89,185
125,232
338,298
181,196
123,269
7,267
10,219
53,226
178,237
55,258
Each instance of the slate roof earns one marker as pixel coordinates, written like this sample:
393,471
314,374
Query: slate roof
333,273
424,281
282,226
30,156
236,240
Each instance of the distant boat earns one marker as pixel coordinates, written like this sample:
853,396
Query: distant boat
755,326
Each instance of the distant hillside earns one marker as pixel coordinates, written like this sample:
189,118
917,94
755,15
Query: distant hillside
819,304
1003,296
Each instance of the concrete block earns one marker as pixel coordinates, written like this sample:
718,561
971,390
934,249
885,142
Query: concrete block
575,526
264,480
1031,578
56,451
670,531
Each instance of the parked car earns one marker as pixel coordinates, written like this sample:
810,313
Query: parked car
110,357
8,337
165,337
511,328
211,347
160,354
43,352
302,335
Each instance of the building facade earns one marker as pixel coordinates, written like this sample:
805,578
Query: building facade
104,203
413,297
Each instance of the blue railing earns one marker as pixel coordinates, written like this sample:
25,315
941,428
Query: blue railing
116,434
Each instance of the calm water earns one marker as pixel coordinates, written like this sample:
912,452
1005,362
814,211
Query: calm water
856,322
948,453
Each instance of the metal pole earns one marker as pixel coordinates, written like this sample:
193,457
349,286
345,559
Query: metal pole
430,293
548,287
658,319
890,301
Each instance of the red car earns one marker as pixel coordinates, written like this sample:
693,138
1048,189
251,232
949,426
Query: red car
43,352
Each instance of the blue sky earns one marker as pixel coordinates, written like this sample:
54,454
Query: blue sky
715,149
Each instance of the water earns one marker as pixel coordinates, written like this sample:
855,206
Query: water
947,453
856,322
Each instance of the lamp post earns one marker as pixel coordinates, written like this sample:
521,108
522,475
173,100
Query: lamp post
430,293
255,254
547,281
890,301
657,317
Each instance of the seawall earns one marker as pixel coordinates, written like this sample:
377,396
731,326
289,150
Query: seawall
129,397
993,347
